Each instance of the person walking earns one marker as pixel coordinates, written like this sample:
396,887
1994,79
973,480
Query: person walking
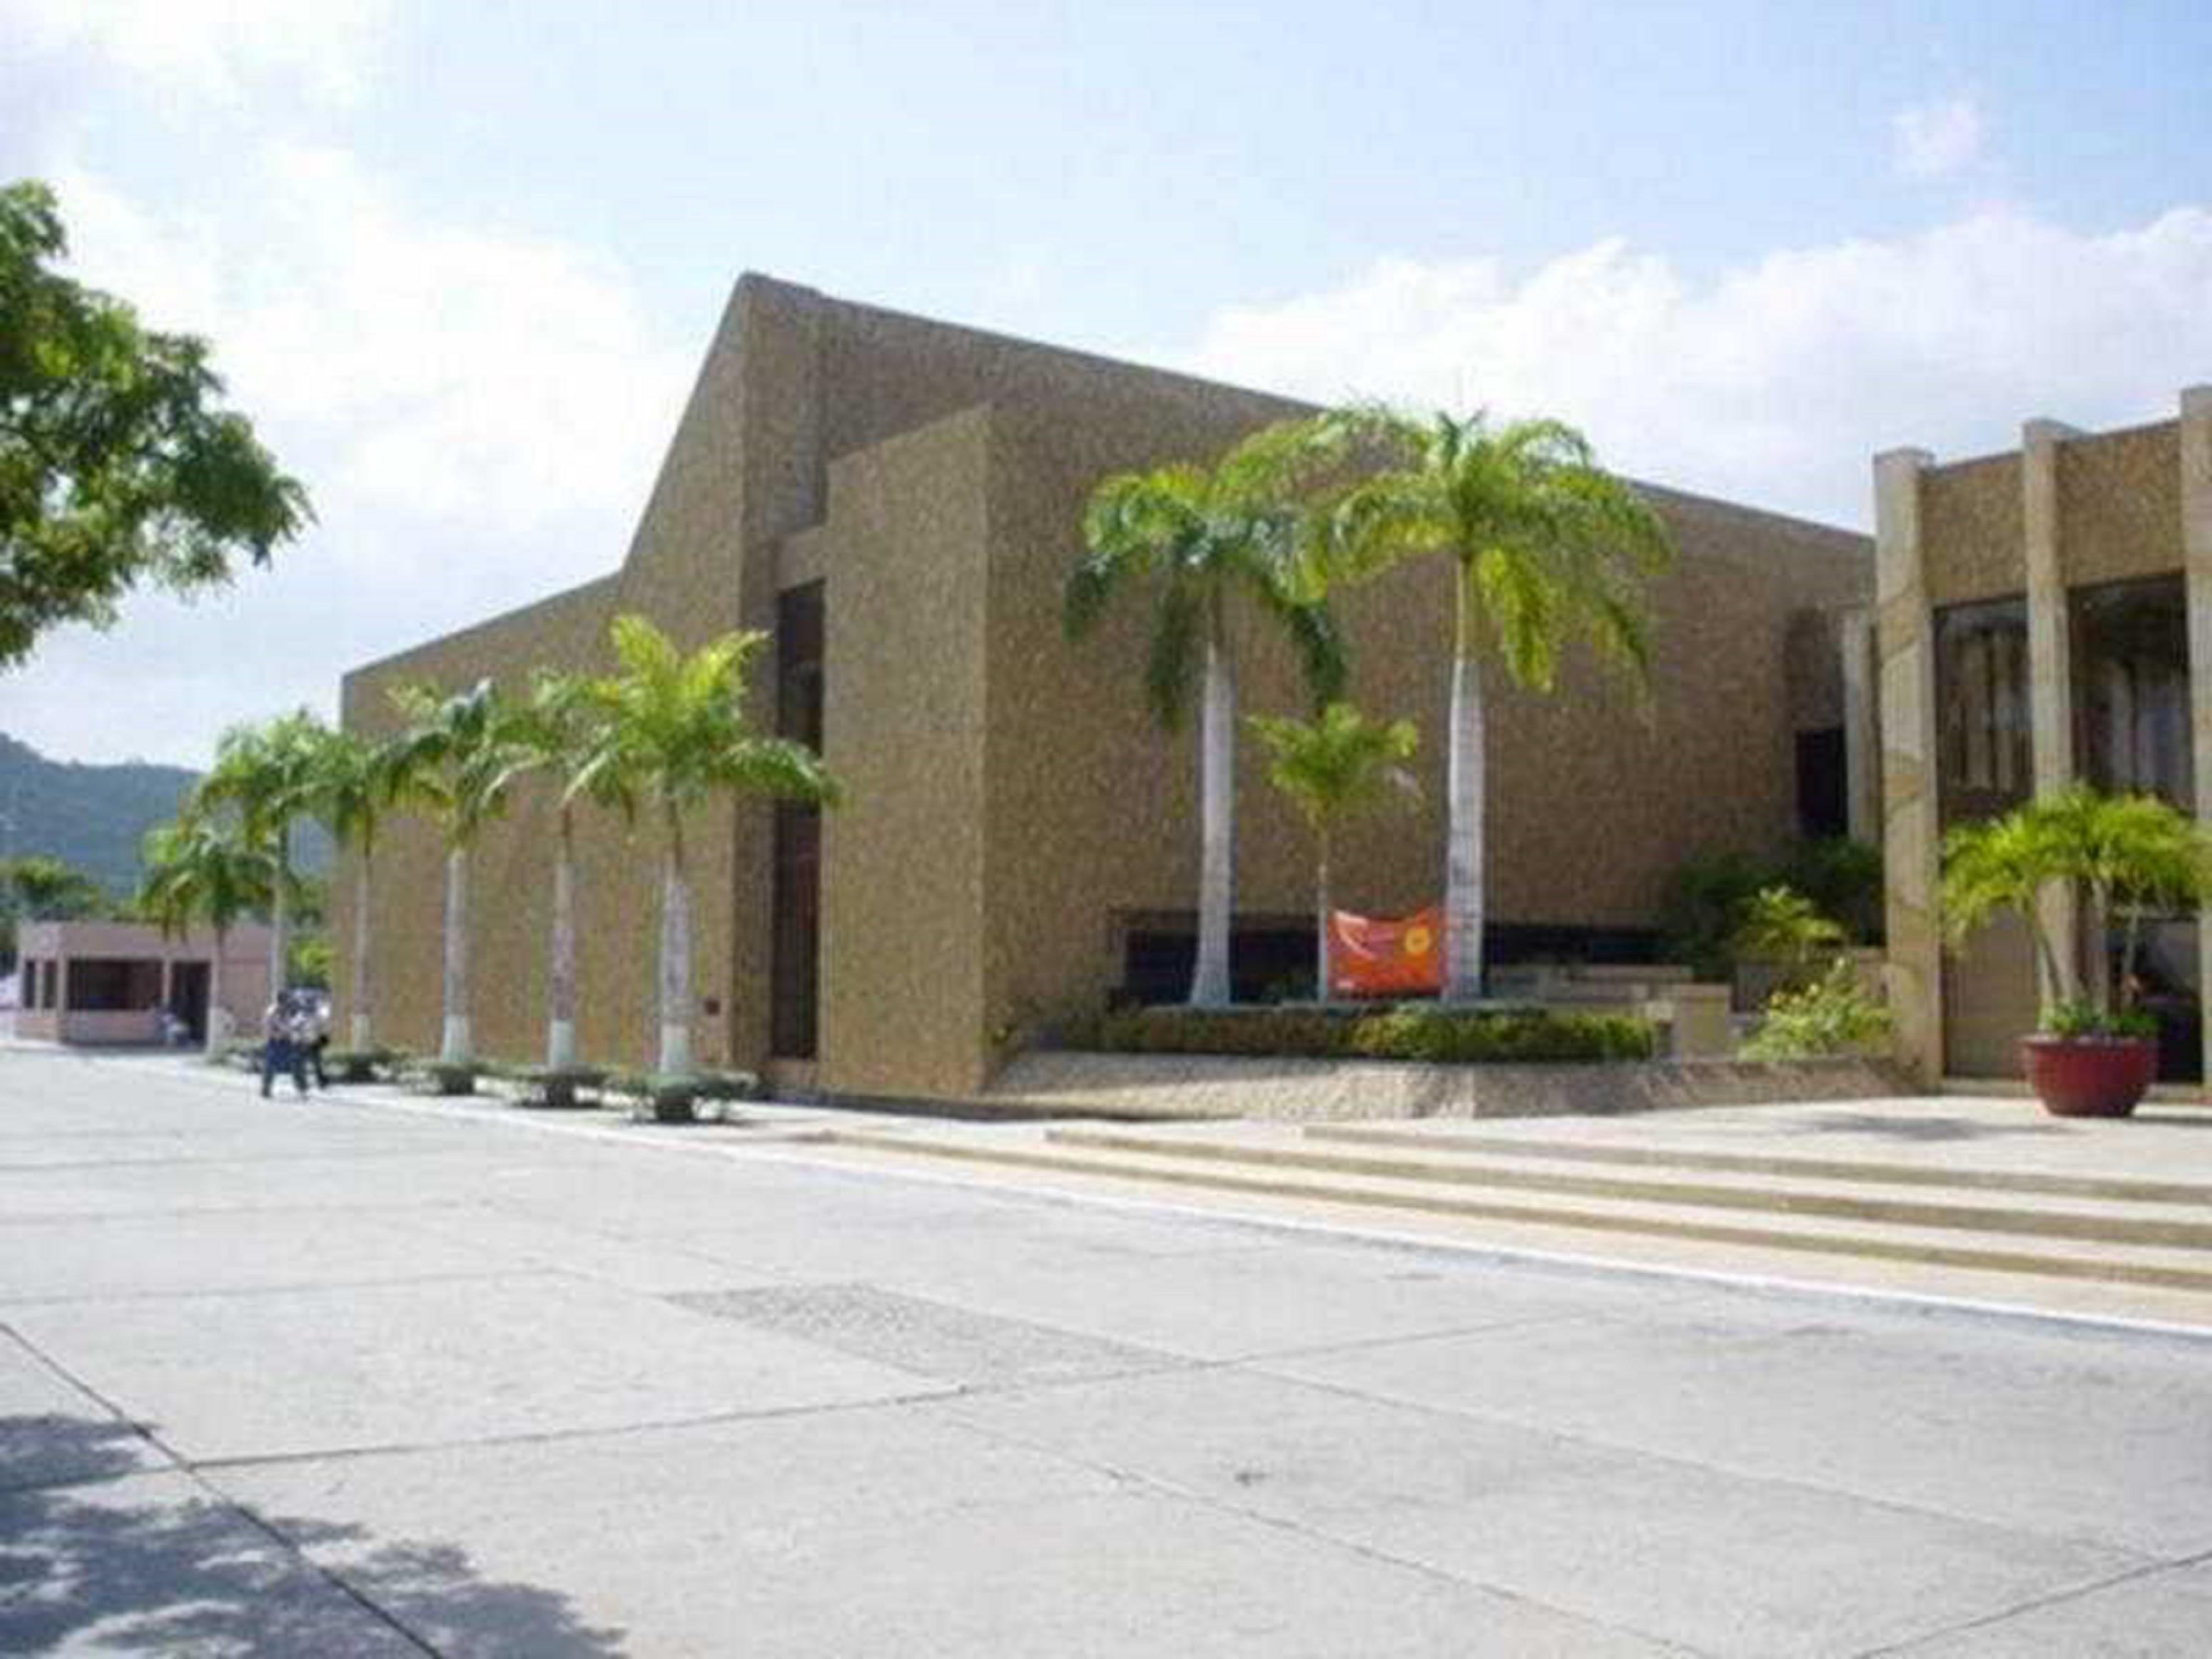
280,1047
315,1028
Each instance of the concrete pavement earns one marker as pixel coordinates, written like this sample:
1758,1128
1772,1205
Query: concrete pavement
360,1377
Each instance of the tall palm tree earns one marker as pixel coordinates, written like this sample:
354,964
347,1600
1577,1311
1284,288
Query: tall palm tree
357,781
1205,539
558,731
267,774
198,869
460,755
1330,767
673,733
1545,544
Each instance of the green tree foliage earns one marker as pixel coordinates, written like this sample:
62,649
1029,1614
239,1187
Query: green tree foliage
1205,539
1545,545
116,466
1331,767
206,870
2124,856
671,734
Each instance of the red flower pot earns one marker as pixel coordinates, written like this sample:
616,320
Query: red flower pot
2089,1077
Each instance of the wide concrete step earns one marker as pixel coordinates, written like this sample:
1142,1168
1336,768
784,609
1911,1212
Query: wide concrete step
1187,1165
1880,1172
2184,1227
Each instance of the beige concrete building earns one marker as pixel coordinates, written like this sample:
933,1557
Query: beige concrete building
2041,616
896,501
101,982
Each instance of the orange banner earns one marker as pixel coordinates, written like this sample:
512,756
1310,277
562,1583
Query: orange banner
1372,956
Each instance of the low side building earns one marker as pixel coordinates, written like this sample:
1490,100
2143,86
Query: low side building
101,982
2045,616
896,502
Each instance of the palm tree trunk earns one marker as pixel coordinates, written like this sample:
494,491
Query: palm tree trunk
212,1039
675,959
279,926
455,1047
1216,796
1322,986
1463,794
560,1028
361,1035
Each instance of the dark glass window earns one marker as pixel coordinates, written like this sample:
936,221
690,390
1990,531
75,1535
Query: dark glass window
2131,688
796,959
1985,765
113,985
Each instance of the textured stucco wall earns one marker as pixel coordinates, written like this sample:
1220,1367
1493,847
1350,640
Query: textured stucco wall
1009,792
1594,800
901,979
1972,527
2119,505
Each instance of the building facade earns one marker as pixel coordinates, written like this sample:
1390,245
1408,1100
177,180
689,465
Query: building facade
101,982
896,503
2043,615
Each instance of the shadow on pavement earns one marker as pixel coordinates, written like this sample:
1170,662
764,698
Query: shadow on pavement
131,1566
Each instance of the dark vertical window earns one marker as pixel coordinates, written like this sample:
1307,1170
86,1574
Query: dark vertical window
2131,688
1985,765
1823,790
796,960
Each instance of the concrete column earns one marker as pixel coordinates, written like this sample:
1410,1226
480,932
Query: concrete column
2196,557
2050,659
1906,651
1861,727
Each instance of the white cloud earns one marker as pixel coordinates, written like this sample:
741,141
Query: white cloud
477,378
1774,382
1934,141
326,50
478,415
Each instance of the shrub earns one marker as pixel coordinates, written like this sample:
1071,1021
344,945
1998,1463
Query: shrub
1834,1014
1414,1031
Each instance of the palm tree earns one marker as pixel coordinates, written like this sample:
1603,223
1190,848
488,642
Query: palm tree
1544,544
355,781
267,774
1204,538
200,870
558,731
45,888
673,732
460,757
1330,767
2129,853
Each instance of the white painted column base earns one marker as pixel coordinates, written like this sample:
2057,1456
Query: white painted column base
454,1048
561,1043
675,1049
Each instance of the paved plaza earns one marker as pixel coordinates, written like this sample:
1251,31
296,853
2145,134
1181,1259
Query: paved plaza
363,1376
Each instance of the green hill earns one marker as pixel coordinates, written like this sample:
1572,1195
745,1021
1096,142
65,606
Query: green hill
94,817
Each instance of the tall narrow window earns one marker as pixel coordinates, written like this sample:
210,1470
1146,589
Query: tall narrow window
1985,765
2131,688
796,945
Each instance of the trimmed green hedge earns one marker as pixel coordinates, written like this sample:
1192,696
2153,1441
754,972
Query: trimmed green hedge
1418,1031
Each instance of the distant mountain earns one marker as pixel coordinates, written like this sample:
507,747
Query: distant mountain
94,816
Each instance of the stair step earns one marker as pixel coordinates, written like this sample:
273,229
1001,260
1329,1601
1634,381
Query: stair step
2125,1189
2078,1259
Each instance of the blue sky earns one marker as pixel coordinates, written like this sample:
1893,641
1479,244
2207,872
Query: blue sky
460,261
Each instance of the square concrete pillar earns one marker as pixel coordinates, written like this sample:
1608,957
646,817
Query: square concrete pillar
2196,557
1906,651
2049,661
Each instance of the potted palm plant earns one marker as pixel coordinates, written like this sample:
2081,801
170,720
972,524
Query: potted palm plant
2120,857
